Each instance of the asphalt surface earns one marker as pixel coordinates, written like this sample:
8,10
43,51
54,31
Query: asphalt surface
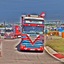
10,55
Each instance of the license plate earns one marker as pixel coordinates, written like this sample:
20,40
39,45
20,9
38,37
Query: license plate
19,36
32,49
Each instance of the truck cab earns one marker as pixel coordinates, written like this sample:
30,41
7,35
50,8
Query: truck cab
32,33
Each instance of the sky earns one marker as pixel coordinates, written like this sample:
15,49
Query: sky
11,10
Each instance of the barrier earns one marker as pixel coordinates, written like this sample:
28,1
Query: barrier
56,33
54,54
0,48
62,34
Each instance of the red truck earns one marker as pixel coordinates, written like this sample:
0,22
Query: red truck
17,32
12,31
32,33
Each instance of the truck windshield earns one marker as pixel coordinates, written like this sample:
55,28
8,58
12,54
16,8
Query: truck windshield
8,30
33,30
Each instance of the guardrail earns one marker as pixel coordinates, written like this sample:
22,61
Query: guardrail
0,47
